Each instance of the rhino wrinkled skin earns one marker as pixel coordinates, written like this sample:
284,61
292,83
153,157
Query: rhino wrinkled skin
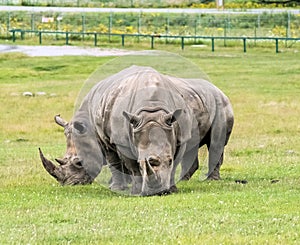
143,124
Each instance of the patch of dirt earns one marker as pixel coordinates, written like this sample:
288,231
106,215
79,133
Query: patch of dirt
63,50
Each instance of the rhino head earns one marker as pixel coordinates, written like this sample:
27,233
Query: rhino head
83,159
154,138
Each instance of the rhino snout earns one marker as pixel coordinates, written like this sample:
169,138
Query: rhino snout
156,176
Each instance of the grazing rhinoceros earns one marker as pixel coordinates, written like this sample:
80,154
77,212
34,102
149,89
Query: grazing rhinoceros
143,124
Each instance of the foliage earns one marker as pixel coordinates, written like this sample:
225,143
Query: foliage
264,150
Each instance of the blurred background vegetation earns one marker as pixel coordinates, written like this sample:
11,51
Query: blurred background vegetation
238,23
265,24
154,3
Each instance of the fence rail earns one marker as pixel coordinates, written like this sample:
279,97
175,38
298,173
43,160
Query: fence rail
151,37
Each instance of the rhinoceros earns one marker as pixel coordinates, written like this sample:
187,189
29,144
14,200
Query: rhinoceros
143,124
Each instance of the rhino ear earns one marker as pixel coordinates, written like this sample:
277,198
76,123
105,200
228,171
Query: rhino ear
133,119
60,121
172,117
80,127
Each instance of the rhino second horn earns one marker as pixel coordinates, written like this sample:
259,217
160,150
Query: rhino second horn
60,121
51,168
60,161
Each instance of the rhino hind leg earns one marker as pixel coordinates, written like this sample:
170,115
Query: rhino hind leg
215,174
173,189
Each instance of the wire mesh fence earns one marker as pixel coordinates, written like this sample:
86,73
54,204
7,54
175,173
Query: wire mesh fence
285,25
101,3
281,25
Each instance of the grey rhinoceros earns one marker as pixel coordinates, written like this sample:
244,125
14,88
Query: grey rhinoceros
143,124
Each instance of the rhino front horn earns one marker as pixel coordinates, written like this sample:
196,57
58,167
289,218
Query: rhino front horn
51,168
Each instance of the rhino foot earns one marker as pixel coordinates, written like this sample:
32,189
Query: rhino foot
160,193
117,187
136,190
185,177
214,176
173,189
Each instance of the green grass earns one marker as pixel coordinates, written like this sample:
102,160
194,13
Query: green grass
264,149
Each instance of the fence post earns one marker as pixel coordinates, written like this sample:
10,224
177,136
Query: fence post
83,25
13,35
123,41
109,25
225,31
288,27
195,29
244,42
95,39
258,24
32,22
167,27
8,24
255,35
276,40
139,21
152,42
40,37
212,44
67,38
182,43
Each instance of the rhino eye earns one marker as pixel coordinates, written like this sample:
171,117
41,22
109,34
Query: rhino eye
172,117
169,120
80,127
135,123
77,163
134,120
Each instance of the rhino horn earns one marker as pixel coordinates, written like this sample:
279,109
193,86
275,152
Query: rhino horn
51,168
60,121
61,161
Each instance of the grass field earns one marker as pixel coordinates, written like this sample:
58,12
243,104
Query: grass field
264,150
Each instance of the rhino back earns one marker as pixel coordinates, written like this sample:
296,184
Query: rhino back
131,90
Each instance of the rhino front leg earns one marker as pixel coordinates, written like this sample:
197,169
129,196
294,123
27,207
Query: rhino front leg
189,164
137,182
119,181
136,177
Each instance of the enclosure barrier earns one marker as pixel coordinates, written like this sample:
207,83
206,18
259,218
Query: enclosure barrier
152,37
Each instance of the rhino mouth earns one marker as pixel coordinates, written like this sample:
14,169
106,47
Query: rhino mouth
77,181
153,184
154,192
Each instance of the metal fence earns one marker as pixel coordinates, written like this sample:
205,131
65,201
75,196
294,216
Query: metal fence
99,3
262,28
181,39
250,25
